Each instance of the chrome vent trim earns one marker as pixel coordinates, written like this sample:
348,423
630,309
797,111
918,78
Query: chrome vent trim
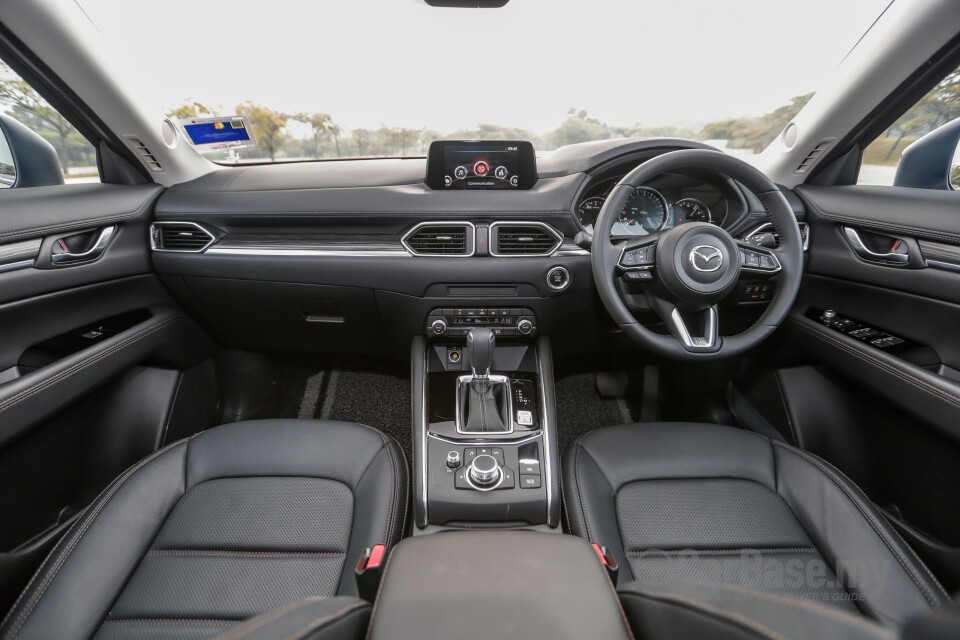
544,240
438,245
180,237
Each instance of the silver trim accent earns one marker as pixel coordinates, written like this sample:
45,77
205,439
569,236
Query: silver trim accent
424,427
544,432
569,253
804,236
472,244
15,266
68,258
517,223
17,252
228,250
156,225
866,253
933,264
687,339
463,442
494,379
563,286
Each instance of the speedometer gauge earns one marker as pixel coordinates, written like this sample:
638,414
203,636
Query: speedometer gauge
692,210
589,210
644,212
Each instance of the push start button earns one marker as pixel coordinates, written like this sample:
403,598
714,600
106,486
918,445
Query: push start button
558,278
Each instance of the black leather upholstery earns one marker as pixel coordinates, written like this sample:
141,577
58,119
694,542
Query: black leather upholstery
338,618
722,612
215,529
715,504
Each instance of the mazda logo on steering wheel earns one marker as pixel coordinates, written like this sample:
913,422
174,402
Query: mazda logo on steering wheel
706,257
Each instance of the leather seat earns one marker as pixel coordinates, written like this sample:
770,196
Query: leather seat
712,504
218,528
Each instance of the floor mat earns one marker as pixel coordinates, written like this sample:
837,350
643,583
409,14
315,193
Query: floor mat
581,409
378,397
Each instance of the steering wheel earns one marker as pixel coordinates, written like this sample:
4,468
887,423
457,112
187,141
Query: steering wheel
685,271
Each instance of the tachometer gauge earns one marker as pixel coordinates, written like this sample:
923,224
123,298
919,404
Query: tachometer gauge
692,210
644,212
589,210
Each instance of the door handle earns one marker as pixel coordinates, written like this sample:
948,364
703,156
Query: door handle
62,256
899,253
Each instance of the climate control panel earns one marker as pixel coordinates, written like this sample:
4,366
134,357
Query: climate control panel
506,322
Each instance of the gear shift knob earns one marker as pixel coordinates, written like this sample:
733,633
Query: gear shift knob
480,345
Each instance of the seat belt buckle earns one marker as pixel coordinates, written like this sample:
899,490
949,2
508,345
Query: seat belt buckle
369,571
608,561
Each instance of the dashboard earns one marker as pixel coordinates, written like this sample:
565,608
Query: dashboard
666,202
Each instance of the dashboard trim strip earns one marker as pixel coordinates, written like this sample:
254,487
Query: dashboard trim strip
274,251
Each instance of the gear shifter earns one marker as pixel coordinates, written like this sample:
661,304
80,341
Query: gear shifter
480,346
486,400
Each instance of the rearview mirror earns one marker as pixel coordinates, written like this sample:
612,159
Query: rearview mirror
26,159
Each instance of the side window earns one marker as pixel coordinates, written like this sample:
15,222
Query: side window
18,101
938,108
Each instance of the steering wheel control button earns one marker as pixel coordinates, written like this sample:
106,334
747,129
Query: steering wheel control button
485,471
558,278
640,257
758,260
453,459
638,276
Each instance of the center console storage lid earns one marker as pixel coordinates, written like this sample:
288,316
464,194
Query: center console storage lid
496,584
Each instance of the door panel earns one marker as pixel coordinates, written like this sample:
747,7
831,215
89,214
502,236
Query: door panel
887,412
95,359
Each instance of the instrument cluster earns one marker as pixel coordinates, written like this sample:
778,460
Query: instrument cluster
668,201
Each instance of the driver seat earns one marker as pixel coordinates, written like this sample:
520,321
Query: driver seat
706,503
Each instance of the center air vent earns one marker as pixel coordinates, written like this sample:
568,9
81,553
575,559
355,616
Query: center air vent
523,239
440,239
179,236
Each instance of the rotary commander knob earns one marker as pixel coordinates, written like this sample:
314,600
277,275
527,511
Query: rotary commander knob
485,471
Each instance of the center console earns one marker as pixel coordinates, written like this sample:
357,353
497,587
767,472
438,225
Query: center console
485,447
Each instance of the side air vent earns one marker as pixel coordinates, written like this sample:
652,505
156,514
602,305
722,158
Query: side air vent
141,149
179,236
523,239
440,239
814,154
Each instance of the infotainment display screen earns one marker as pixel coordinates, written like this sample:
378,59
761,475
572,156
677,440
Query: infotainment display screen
481,164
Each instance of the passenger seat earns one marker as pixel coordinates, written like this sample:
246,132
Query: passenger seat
218,528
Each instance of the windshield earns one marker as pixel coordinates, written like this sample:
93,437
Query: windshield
349,78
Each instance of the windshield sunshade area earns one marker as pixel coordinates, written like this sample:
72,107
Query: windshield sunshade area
359,78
